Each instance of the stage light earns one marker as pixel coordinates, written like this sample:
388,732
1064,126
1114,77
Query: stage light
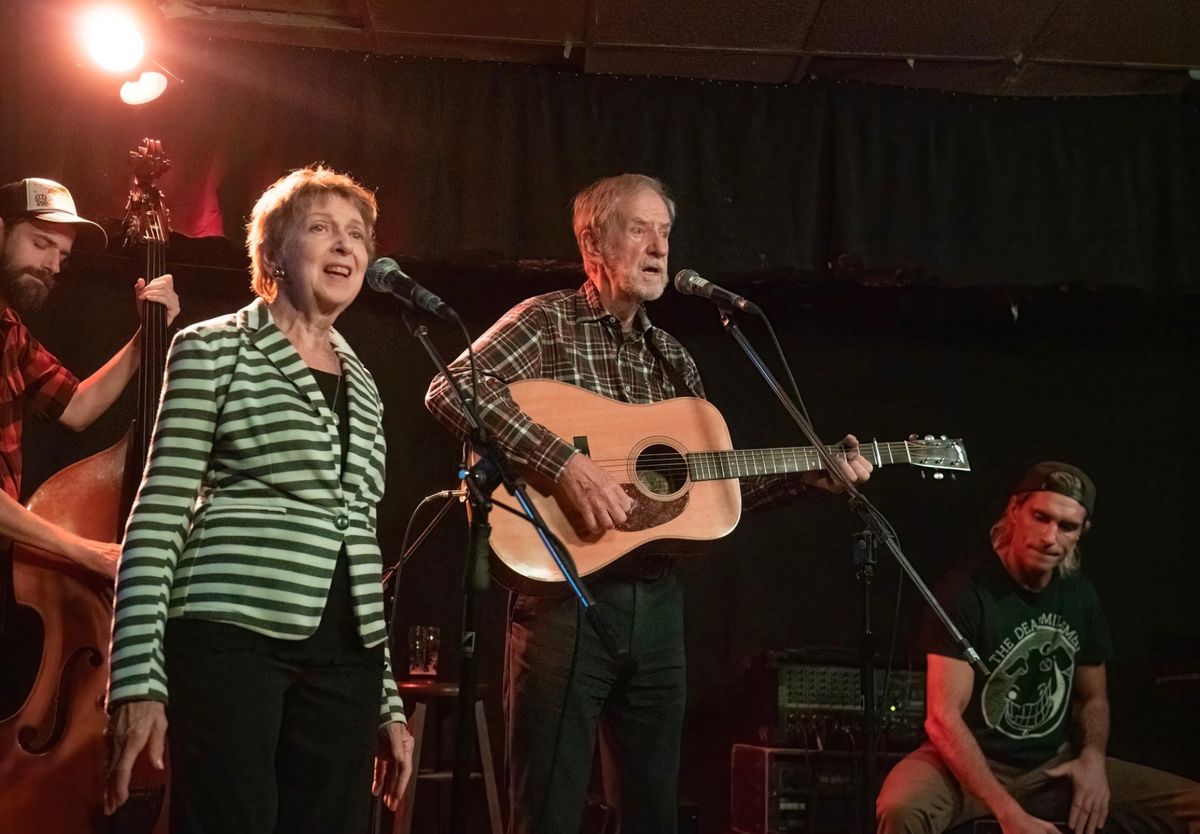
149,86
113,38
123,39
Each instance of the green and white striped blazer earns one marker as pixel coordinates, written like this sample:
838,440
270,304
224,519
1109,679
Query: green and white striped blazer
242,509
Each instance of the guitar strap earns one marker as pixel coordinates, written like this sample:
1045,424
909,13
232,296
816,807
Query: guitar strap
674,375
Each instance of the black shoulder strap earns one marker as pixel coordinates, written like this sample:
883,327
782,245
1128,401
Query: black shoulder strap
674,375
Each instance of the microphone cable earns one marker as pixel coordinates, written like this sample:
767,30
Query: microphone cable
406,552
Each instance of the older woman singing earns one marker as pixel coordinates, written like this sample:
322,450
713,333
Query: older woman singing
249,609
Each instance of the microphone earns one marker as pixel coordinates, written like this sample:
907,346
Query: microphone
386,276
689,282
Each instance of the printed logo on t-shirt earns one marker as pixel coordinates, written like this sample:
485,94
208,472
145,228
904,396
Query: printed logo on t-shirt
1029,689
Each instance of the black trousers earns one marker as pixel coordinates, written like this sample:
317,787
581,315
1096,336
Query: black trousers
561,687
266,743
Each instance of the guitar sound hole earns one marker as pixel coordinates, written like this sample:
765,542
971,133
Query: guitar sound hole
661,470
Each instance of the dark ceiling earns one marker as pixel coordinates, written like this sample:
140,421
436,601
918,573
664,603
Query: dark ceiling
1014,48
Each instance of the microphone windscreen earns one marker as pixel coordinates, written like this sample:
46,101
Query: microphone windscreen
686,280
379,274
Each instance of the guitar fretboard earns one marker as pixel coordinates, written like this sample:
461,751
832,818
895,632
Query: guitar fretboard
714,466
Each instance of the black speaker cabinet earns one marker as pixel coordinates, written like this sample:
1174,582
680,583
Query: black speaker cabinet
787,790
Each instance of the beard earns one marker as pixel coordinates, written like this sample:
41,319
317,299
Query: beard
25,288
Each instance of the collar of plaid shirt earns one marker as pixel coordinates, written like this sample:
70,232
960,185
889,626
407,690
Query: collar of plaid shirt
588,307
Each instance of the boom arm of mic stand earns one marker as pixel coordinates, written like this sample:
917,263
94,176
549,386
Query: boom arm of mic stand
481,487
858,502
490,471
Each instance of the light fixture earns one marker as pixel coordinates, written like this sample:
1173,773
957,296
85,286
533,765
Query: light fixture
149,86
114,36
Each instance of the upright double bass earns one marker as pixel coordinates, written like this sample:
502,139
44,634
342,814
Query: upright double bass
52,750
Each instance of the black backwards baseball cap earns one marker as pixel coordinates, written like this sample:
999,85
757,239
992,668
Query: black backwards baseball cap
50,201
1063,478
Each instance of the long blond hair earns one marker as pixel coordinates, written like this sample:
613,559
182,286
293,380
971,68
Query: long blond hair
1002,533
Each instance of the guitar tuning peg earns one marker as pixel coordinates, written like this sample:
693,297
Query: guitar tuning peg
937,476
922,474
929,437
944,437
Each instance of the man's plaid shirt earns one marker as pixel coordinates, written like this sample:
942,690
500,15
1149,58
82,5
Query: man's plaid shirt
568,336
29,374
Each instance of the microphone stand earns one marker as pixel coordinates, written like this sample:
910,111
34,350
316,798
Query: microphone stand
876,529
864,558
490,471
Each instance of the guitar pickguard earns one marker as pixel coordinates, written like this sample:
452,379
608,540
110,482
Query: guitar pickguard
648,513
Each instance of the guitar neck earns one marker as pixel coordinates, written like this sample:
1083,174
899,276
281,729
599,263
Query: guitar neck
745,463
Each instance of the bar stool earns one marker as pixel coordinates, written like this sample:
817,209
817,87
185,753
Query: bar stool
426,695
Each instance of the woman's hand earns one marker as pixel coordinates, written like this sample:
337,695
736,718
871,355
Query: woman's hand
133,726
393,763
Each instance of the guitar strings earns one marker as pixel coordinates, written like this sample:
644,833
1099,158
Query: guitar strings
781,452
725,459
153,331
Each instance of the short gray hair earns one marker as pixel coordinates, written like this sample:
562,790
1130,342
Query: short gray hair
594,206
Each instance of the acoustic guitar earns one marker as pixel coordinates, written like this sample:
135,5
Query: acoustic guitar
675,459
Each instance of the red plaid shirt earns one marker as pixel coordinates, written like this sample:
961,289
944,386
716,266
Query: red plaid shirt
28,374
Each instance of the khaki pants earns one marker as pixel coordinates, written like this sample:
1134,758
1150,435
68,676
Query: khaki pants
921,796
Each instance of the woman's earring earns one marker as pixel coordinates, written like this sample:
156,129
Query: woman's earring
279,273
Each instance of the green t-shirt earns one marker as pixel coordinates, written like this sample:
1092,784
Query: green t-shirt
1031,642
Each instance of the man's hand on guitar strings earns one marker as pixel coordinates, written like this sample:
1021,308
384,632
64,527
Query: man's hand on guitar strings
600,501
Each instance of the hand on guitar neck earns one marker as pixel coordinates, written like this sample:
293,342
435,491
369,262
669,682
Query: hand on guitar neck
855,468
162,291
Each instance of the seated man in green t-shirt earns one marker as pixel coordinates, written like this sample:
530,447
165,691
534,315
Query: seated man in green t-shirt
1003,744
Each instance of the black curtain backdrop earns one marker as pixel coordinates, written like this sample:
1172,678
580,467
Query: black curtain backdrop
983,209
477,162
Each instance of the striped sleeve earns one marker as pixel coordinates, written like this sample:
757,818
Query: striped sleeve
158,525
392,708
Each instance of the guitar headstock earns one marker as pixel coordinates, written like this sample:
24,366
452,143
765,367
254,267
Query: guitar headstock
146,217
941,454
